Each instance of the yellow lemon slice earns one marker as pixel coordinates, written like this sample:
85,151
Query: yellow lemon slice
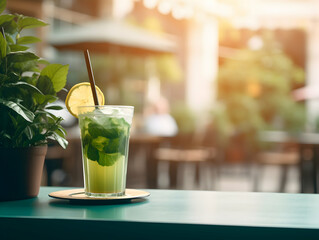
81,95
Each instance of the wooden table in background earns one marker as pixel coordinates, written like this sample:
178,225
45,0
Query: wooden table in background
148,144
72,157
305,142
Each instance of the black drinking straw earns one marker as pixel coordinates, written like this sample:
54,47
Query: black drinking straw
91,76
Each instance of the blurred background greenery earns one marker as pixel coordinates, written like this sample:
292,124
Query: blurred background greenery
254,92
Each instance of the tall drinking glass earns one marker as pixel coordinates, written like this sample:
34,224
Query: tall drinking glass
105,132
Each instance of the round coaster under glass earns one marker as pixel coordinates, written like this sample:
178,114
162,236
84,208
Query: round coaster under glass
78,196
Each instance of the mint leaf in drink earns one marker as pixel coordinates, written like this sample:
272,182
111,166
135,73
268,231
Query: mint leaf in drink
100,143
108,159
95,129
86,139
122,127
116,145
118,122
123,144
105,139
85,123
92,153
113,146
110,132
102,128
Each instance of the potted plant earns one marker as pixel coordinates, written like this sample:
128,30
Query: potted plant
26,97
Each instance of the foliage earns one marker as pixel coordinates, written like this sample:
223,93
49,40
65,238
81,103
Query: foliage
25,90
104,139
254,92
168,68
184,117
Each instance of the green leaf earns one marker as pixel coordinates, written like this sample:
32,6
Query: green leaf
43,61
108,159
92,153
21,67
59,132
6,18
62,141
24,84
28,40
100,142
32,80
3,4
54,107
57,73
3,46
108,127
6,136
4,121
28,132
63,130
9,38
10,27
47,114
96,130
19,109
45,85
21,57
86,139
3,78
16,48
123,146
30,22
113,146
44,99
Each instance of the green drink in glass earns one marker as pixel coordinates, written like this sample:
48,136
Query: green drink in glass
105,132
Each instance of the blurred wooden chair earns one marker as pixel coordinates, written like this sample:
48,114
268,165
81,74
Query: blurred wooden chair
284,156
68,161
183,149
54,159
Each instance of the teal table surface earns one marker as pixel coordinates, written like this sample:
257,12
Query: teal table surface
166,213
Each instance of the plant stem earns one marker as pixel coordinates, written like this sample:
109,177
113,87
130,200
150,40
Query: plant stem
4,36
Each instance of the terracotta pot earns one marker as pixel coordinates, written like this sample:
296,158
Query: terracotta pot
21,172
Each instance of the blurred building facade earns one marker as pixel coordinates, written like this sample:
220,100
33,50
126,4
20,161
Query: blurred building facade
195,26
180,52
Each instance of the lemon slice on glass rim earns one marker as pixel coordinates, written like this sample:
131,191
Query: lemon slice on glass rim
81,95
